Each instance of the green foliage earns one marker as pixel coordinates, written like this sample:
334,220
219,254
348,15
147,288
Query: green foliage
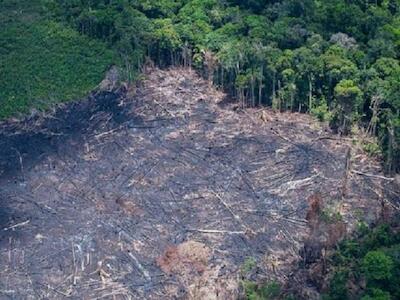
373,257
254,291
338,286
267,291
377,294
321,112
347,90
377,265
331,58
330,216
43,62
165,35
338,60
347,100
372,149
249,264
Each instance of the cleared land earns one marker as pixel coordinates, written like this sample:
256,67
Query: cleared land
165,191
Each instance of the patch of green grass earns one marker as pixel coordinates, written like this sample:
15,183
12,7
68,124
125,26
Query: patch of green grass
43,62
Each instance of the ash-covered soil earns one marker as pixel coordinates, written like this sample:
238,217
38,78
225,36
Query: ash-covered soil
164,192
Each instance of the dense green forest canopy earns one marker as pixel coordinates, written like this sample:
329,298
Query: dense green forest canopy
338,59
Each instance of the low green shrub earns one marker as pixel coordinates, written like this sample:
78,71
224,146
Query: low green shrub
372,149
322,113
267,291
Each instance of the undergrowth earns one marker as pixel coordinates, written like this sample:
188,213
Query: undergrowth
266,291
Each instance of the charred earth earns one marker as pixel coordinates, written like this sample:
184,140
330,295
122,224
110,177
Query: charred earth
165,191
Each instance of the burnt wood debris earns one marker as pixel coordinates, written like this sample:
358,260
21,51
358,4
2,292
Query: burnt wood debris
164,191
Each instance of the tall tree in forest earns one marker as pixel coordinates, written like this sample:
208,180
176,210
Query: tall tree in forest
347,100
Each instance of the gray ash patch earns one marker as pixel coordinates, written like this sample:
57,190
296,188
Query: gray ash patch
165,194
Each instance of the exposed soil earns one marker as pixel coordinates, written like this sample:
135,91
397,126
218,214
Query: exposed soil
163,193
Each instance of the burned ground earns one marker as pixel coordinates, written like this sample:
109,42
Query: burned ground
163,193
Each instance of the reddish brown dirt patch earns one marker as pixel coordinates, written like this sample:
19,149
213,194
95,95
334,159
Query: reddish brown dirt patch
129,207
185,258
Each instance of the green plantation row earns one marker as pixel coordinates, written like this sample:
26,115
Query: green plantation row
336,59
44,62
